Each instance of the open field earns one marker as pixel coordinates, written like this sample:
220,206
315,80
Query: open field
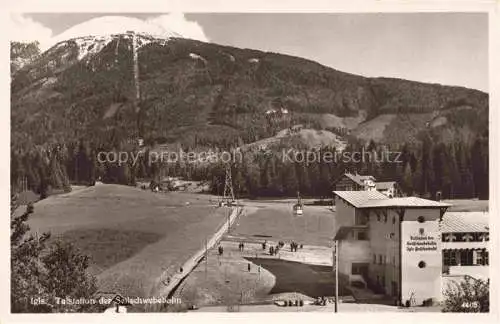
132,236
275,221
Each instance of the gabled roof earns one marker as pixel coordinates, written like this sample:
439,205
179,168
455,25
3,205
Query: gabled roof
385,185
358,178
375,199
462,222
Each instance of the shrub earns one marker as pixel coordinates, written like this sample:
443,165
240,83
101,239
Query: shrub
468,296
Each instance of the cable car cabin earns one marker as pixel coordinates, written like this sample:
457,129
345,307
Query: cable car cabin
298,209
228,203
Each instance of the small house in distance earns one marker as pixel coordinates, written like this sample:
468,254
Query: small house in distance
355,182
389,188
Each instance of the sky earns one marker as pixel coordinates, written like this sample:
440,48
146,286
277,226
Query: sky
445,48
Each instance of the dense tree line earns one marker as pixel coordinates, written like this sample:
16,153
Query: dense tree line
457,170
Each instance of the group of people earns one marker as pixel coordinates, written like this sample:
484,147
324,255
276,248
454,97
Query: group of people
294,246
322,301
273,250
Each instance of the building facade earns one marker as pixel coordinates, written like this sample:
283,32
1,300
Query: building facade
389,188
393,246
355,182
465,244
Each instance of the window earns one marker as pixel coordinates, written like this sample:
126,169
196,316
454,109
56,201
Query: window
468,237
486,257
480,257
484,237
422,264
359,268
385,259
361,218
466,257
378,217
448,237
446,257
380,259
393,220
421,219
453,258
450,257
362,236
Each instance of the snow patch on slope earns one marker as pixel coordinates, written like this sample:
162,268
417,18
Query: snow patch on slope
195,56
91,45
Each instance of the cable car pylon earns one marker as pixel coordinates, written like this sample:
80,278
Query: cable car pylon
228,196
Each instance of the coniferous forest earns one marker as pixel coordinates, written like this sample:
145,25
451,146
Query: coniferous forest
456,170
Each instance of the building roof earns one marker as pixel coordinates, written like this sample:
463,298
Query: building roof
462,222
405,202
375,199
359,198
384,185
358,178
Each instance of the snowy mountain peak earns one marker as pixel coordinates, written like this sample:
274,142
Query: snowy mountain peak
93,35
111,25
87,46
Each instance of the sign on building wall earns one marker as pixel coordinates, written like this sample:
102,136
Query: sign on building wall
421,242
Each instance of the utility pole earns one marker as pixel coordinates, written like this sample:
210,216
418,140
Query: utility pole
336,262
206,259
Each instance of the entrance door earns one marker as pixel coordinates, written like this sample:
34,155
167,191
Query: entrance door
394,289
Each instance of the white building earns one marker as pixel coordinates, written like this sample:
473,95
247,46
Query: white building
392,245
408,248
